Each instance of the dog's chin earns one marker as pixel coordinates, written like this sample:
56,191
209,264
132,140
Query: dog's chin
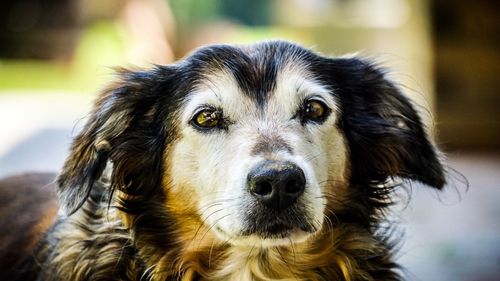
278,235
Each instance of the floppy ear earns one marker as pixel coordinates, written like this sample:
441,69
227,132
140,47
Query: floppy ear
385,133
122,129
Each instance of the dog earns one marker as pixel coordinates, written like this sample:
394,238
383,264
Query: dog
256,162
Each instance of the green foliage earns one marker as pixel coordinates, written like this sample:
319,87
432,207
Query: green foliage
195,12
192,13
100,47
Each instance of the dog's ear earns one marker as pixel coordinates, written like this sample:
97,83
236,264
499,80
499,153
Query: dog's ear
385,134
122,129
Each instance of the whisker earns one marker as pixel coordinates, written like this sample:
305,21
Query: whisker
212,226
210,253
286,263
204,220
293,250
251,250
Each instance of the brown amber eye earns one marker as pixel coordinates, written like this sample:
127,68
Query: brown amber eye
207,119
314,110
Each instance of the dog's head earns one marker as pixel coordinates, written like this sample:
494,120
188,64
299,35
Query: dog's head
257,143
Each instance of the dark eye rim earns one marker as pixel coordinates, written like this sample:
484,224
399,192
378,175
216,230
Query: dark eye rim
221,124
305,119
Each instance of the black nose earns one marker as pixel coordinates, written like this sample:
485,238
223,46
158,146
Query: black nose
276,184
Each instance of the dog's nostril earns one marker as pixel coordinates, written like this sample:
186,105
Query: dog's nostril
292,187
263,188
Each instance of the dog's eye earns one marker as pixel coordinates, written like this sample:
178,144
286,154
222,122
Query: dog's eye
314,110
207,119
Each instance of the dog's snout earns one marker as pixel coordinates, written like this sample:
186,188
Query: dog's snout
276,184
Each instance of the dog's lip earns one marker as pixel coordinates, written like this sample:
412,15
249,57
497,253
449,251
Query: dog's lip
275,230
272,228
271,231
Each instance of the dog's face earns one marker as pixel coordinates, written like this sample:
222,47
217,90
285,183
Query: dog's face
261,143
258,163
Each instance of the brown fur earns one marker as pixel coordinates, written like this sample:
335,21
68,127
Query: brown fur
132,223
28,207
104,248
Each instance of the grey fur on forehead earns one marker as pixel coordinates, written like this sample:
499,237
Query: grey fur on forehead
254,67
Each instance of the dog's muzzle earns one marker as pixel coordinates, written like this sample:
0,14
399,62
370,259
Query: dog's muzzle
276,184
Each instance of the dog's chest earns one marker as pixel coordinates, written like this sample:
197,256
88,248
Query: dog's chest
251,264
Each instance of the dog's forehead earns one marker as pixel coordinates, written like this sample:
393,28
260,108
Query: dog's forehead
255,68
258,79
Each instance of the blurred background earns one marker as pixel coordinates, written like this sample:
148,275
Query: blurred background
55,55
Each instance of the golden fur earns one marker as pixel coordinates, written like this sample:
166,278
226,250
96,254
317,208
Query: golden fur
133,191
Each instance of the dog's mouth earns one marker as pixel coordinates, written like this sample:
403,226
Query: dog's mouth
271,224
277,230
271,230
274,234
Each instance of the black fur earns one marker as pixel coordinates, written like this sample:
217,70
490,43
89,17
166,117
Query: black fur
385,134
134,122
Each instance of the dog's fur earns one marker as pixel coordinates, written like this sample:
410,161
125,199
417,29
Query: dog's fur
146,194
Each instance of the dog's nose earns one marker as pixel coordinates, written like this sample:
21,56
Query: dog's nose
277,184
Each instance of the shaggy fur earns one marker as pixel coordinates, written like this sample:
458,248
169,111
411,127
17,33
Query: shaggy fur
144,219
28,207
